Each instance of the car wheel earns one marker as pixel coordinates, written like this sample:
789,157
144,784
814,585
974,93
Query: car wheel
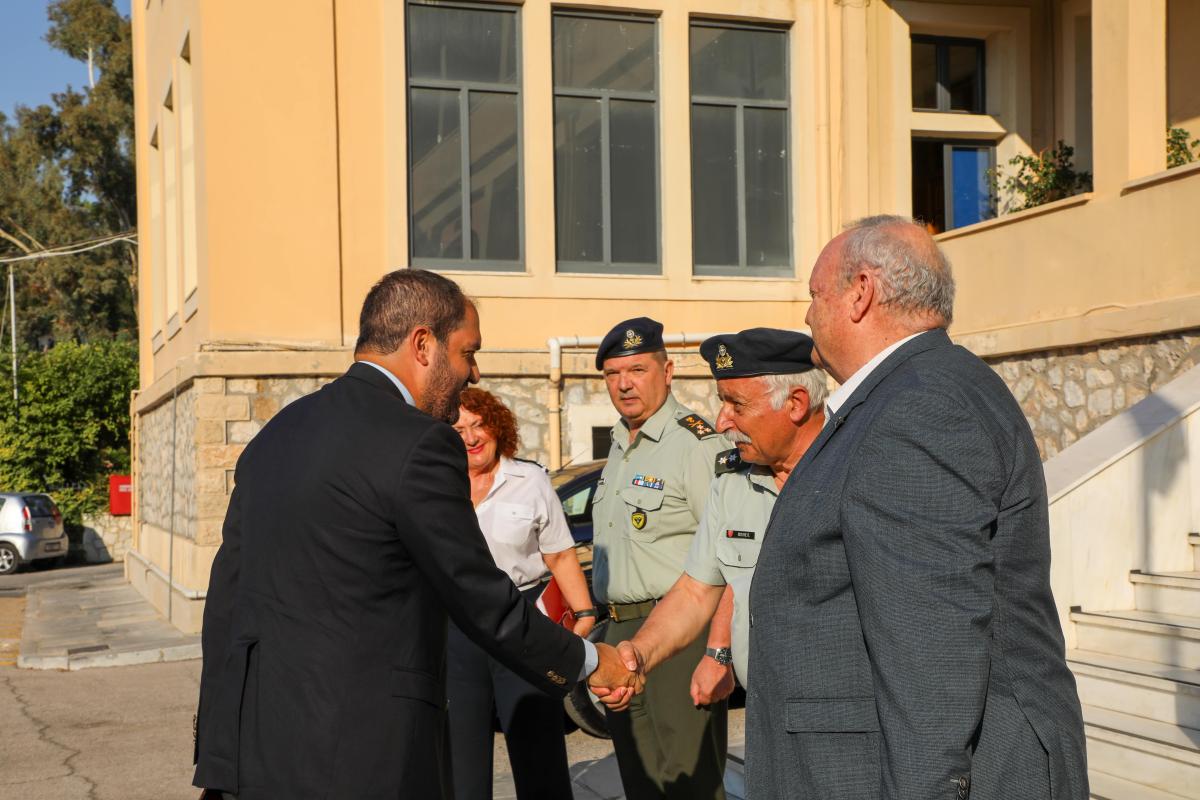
10,559
584,708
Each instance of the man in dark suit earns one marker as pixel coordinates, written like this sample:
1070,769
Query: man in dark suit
904,642
349,539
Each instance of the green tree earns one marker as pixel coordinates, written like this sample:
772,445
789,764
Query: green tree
72,429
67,175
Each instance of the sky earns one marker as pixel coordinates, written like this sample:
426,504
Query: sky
30,71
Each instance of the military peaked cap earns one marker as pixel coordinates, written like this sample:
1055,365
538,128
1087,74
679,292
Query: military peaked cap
758,351
633,336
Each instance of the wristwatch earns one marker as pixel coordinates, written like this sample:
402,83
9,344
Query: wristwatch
722,655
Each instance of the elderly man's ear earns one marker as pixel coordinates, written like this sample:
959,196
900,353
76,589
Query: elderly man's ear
798,405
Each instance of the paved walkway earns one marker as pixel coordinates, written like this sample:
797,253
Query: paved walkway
95,619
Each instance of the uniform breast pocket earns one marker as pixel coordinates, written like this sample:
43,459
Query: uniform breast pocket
644,507
512,523
736,548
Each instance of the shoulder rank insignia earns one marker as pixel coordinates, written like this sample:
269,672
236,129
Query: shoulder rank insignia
632,340
531,461
697,425
723,359
727,461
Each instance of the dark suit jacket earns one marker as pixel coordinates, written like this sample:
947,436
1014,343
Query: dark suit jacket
904,643
349,538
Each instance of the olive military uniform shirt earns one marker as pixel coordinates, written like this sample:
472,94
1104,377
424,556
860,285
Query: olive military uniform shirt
648,502
725,548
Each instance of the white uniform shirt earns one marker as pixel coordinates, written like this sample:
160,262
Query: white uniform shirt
522,518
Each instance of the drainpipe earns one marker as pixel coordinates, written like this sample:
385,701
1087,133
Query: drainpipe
556,344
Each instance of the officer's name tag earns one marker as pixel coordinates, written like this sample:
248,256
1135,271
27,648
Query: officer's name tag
739,534
648,481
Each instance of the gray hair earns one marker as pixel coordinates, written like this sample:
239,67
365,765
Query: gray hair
813,381
404,299
913,273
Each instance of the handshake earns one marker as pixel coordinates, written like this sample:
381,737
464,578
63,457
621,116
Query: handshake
619,676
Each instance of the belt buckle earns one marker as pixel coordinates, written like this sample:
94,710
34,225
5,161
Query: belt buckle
612,612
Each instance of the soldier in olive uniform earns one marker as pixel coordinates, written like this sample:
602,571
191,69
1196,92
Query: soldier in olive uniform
647,504
772,400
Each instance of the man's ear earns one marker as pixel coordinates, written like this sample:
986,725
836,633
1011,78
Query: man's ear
422,342
669,370
862,295
798,405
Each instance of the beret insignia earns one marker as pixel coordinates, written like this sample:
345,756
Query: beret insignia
632,340
723,359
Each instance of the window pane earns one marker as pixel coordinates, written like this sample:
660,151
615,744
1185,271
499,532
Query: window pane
962,78
633,178
495,206
580,223
924,75
436,173
714,185
969,166
462,44
739,63
603,54
929,186
766,187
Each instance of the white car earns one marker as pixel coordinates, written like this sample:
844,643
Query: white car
31,528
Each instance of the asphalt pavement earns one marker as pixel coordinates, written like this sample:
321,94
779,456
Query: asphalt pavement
126,732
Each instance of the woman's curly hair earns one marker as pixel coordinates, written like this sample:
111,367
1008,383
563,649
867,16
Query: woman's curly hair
497,419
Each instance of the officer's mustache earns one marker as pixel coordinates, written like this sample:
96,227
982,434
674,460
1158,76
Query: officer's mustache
737,437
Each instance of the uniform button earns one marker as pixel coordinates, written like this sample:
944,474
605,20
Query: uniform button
751,619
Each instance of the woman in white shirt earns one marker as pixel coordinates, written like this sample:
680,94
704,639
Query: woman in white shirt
526,530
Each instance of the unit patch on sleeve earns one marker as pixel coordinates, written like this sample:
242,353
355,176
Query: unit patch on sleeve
648,481
739,534
697,425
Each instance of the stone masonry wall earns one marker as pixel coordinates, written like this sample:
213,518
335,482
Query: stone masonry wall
169,420
1069,392
106,538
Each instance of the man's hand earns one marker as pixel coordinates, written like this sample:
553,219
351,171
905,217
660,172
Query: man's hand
617,677
711,682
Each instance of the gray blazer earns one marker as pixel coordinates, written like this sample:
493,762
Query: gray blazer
904,642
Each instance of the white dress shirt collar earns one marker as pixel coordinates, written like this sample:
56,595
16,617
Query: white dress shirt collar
408,398
841,394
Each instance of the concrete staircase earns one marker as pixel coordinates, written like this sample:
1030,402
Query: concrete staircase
1139,681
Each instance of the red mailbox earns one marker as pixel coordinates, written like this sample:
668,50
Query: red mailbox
120,495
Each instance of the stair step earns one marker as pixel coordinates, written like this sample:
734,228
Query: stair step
1171,639
1154,754
1144,688
1110,787
1167,592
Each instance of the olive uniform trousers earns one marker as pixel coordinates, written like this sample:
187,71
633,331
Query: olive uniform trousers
667,749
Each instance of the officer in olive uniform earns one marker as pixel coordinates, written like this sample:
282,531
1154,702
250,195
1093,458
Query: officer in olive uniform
646,507
772,400
743,493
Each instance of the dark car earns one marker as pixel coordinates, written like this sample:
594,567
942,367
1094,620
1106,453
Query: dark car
576,486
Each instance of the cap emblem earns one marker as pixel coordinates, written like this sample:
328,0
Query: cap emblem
723,359
632,340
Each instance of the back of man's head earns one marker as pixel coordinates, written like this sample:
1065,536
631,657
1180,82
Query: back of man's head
404,299
912,272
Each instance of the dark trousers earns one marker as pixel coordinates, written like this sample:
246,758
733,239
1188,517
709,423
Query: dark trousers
478,686
667,749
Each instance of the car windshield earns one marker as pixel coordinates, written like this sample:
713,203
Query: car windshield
39,505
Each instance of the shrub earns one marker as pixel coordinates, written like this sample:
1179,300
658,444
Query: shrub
71,429
1042,178
1179,150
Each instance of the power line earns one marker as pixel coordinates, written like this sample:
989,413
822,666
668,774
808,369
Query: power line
74,248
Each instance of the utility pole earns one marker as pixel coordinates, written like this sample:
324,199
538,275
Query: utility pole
12,301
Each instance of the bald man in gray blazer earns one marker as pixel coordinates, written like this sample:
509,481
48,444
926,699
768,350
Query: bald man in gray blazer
904,642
